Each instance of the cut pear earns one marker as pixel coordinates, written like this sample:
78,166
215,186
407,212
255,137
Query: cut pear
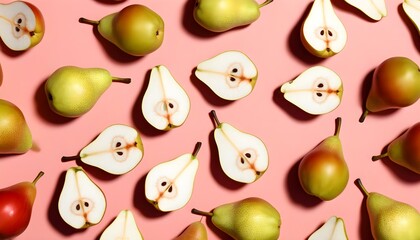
231,75
317,90
243,156
169,185
412,9
374,9
117,150
322,32
123,227
333,229
81,203
165,103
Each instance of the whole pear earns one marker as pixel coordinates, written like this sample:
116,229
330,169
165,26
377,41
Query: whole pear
16,204
223,15
15,136
395,84
405,149
72,91
195,231
136,29
390,219
247,219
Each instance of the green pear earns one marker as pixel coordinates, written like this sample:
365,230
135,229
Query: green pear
405,149
72,91
247,219
15,136
390,219
195,231
223,15
136,29
323,171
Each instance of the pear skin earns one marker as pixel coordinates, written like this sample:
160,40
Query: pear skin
195,231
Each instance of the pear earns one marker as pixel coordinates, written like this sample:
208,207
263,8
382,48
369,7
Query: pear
21,25
412,9
317,90
323,171
374,9
123,227
231,75
405,149
223,15
390,219
118,149
395,84
242,156
322,33
195,231
247,219
81,203
135,29
16,204
165,104
72,91
333,229
15,135
169,185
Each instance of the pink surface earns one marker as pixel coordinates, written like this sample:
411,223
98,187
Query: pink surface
273,44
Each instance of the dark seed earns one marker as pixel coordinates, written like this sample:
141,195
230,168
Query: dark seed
171,105
170,189
120,153
320,85
248,155
17,29
319,94
78,207
232,79
19,20
235,70
242,161
118,144
86,204
330,33
322,32
163,184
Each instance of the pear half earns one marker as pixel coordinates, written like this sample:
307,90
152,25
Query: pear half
231,75
243,156
117,150
169,185
374,9
81,203
412,10
333,229
322,32
165,103
123,227
317,90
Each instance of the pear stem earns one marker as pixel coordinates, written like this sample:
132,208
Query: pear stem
88,21
379,157
214,117
338,126
69,158
40,174
265,3
121,80
362,118
202,213
361,187
196,149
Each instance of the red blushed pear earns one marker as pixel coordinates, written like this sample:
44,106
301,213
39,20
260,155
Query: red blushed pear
38,32
16,204
395,84
405,149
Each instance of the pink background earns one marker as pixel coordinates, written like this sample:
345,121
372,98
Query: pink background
272,42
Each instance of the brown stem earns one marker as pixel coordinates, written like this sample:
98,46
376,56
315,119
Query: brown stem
69,158
214,117
88,21
379,157
40,174
338,126
359,184
196,149
362,118
121,80
202,213
265,3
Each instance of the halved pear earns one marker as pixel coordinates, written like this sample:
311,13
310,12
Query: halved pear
243,156
333,229
169,185
166,104
117,150
322,32
231,75
374,9
81,203
123,227
317,90
412,9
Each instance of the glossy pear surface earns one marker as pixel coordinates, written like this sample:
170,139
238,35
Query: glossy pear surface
194,231
412,9
21,25
135,29
231,75
333,229
395,84
169,185
223,15
242,156
317,90
15,135
123,227
81,203
165,104
391,219
72,91
16,203
374,9
247,219
322,33
323,171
